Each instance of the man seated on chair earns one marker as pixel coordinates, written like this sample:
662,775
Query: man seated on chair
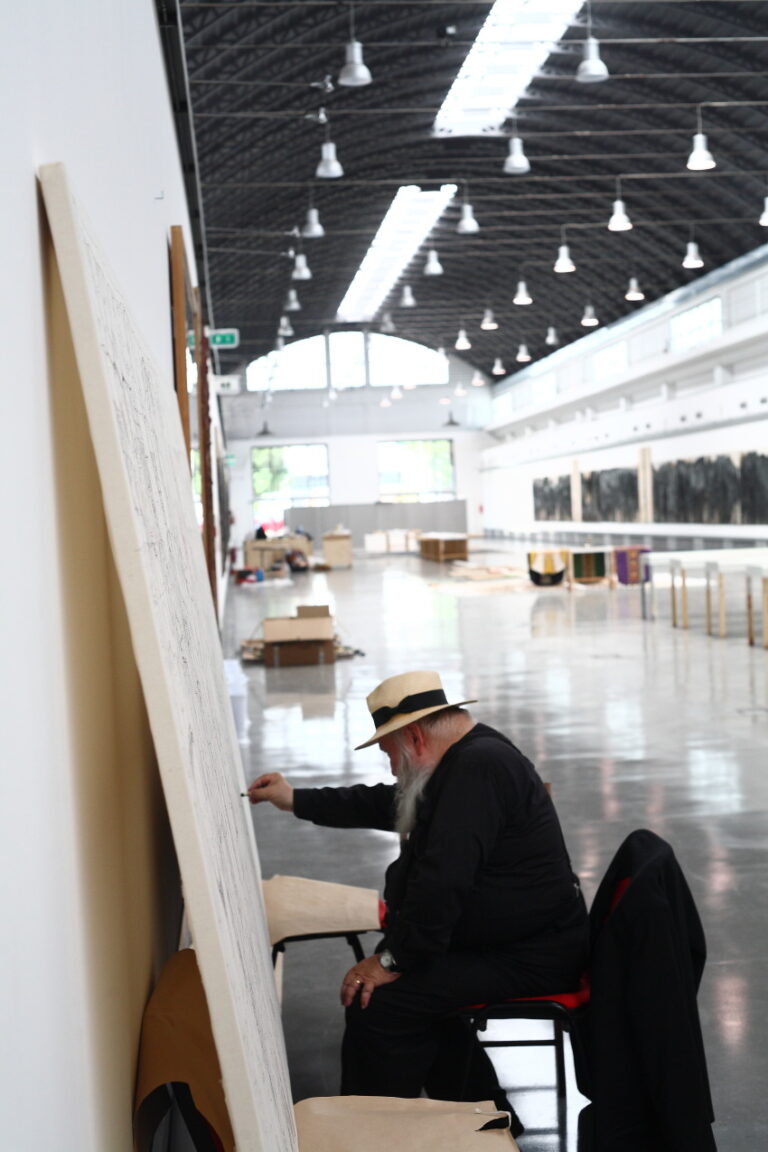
482,904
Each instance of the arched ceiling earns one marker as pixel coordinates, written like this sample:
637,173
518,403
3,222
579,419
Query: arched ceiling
251,66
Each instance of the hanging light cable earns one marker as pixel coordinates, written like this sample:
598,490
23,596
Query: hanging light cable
619,221
592,69
700,159
354,74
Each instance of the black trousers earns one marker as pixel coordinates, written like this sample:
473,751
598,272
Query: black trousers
410,1037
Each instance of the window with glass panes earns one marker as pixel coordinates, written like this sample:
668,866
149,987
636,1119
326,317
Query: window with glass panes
415,471
287,476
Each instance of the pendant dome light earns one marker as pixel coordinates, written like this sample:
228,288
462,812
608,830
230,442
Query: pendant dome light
488,322
477,380
589,320
498,367
591,70
388,324
396,393
692,258
407,298
292,302
523,355
700,159
301,270
354,74
564,262
522,295
286,328
329,167
459,390
551,339
763,221
385,402
634,292
467,224
433,267
619,221
516,163
313,229
462,342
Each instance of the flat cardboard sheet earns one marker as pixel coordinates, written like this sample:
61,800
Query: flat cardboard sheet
146,489
384,1124
299,907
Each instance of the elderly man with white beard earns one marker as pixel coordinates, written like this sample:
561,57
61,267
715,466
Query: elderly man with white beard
482,903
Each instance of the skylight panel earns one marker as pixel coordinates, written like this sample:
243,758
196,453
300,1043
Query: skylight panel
410,218
513,43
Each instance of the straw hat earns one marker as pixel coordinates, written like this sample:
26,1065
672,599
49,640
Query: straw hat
401,700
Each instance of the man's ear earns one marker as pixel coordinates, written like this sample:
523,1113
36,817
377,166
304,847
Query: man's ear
417,736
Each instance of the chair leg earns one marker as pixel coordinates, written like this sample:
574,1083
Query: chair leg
354,942
559,1060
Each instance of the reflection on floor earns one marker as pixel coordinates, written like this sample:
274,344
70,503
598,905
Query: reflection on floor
635,724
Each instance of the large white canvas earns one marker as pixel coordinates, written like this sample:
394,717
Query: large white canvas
145,482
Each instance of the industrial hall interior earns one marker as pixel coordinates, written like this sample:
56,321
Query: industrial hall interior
385,594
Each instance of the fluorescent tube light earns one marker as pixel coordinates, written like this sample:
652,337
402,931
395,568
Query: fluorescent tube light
410,218
513,43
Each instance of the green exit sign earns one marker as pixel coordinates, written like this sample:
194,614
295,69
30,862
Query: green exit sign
218,338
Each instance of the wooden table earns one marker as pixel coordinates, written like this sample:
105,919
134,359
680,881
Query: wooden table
714,565
443,546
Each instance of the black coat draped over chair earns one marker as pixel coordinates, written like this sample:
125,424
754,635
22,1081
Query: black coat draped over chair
643,1062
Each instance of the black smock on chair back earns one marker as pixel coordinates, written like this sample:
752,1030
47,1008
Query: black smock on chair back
645,1064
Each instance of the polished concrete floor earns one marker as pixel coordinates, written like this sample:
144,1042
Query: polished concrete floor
634,723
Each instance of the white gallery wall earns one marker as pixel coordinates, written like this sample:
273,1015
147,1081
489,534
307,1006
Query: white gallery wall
83,84
351,429
669,381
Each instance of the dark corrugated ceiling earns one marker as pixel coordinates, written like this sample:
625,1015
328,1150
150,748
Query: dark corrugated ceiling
252,68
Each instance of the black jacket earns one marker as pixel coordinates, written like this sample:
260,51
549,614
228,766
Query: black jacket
485,864
645,1067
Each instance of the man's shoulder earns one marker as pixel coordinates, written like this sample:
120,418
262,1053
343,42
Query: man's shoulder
487,741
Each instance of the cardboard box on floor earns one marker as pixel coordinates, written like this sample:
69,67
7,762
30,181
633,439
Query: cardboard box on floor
299,653
293,641
284,629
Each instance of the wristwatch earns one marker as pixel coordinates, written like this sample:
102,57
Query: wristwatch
387,960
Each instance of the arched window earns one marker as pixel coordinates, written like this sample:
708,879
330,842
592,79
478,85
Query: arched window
391,360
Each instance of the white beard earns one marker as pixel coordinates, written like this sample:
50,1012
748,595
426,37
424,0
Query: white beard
411,782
